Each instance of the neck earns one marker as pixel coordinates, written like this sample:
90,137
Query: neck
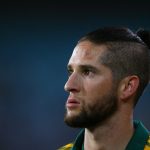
114,134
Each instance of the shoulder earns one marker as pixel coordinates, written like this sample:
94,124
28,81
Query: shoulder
66,147
147,146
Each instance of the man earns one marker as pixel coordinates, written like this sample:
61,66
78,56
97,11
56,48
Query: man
108,71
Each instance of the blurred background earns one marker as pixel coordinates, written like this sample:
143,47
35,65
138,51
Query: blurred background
36,41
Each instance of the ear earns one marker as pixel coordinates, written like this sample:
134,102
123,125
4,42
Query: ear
128,87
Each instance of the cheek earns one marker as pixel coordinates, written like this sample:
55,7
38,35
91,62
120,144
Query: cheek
96,90
98,87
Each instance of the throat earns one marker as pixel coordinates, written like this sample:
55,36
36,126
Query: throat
108,137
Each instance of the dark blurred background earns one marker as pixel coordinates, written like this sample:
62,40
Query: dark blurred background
36,41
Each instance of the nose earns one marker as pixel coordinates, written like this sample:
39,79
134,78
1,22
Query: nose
73,83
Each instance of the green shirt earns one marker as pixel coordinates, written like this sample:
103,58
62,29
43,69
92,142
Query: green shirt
139,141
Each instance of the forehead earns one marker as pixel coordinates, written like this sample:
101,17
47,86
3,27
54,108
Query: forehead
87,51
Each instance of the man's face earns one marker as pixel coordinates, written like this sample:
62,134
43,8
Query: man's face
92,95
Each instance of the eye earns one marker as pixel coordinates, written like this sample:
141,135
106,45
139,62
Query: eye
87,72
70,71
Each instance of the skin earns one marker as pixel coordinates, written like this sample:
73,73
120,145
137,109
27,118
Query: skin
90,86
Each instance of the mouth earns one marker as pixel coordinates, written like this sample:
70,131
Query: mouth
72,103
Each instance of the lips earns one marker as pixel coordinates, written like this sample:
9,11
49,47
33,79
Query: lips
72,103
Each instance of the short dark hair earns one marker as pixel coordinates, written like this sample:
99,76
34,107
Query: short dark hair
127,53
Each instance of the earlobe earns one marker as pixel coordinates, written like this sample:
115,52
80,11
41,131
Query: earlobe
128,87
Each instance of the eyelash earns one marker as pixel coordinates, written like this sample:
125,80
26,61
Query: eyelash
69,72
85,72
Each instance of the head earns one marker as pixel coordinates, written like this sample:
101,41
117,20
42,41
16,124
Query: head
101,61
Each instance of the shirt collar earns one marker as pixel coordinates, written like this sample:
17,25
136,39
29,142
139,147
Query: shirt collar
139,137
137,141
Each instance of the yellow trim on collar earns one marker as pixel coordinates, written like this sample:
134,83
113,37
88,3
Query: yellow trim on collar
66,147
147,146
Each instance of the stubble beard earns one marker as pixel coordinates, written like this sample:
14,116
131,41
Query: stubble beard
94,114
